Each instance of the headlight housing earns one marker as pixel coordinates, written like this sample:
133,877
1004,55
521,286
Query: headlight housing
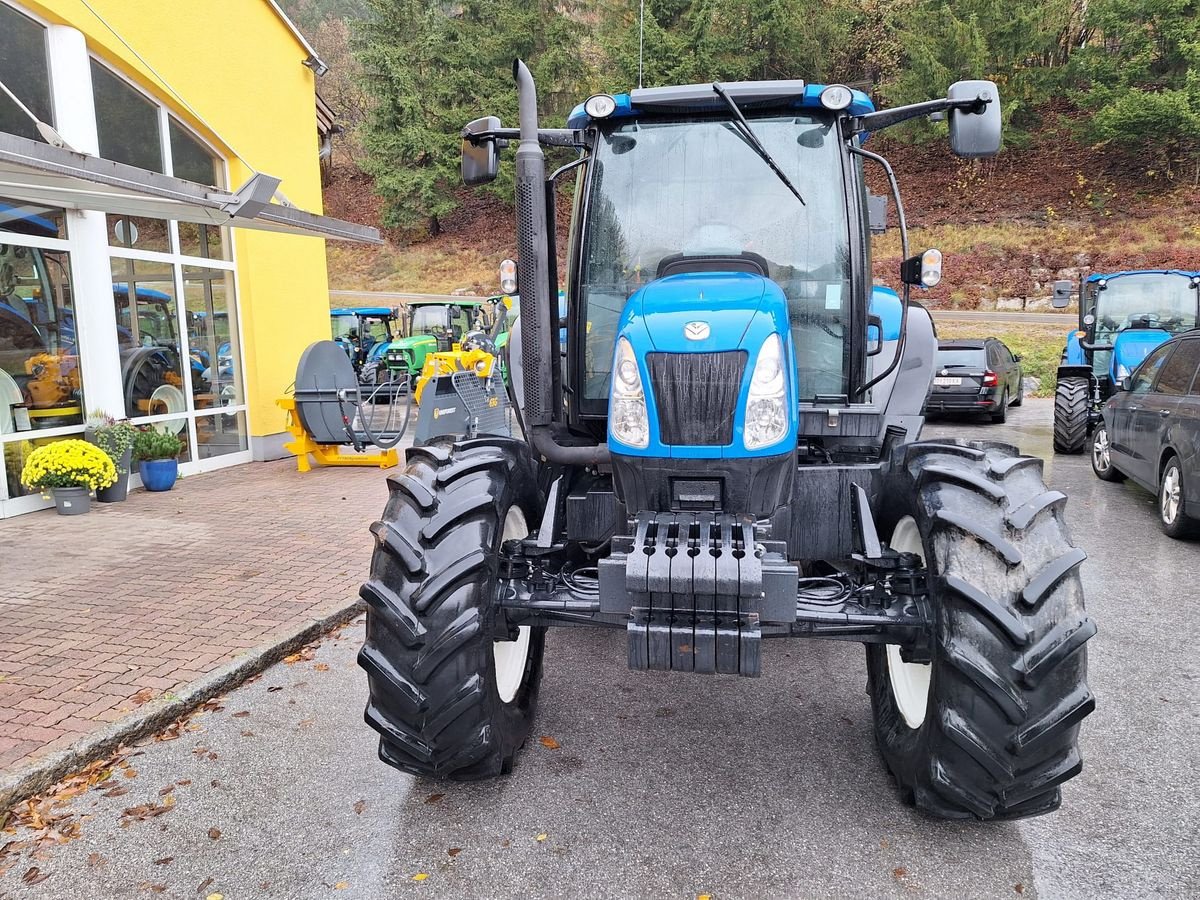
628,421
767,414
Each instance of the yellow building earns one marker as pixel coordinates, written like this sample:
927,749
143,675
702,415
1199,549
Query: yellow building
157,262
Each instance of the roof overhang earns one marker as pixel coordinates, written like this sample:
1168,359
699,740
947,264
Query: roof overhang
39,173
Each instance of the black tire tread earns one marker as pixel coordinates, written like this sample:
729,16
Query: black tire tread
1071,397
429,633
1010,664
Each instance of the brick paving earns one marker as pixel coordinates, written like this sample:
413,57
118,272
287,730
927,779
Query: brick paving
103,611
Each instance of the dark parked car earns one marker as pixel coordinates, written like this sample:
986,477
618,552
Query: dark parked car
1150,432
977,377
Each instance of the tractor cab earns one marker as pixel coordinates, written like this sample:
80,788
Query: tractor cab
363,332
1135,312
439,326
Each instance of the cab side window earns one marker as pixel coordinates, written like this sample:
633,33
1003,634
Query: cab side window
1177,373
1143,378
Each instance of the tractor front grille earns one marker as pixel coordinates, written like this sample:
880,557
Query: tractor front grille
696,395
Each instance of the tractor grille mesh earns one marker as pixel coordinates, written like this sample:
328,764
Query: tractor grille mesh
696,395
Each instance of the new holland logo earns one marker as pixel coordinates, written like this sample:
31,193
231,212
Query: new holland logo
696,331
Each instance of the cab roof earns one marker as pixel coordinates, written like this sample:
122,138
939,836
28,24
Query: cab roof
1103,276
363,311
689,98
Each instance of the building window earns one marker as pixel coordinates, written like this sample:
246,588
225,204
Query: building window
23,69
126,122
41,389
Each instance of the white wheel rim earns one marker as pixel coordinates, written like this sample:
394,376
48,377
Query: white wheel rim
174,401
910,681
1169,501
511,656
1100,451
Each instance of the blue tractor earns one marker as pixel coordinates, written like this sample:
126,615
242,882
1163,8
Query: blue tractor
1122,317
728,453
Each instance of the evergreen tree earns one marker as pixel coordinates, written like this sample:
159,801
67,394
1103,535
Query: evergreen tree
431,67
1140,76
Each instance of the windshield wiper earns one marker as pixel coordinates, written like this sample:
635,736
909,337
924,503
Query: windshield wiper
755,143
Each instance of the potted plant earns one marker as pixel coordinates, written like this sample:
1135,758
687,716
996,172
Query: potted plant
156,453
71,470
115,437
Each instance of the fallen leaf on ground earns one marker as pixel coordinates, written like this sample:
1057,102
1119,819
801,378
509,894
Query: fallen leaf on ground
420,876
434,798
153,888
184,782
303,655
211,757
166,860
541,837
95,860
117,791
130,773
204,884
321,667
704,897
145,695
304,723
34,875
548,742
341,886
899,872
359,806
273,688
215,897
148,810
166,790
242,714
454,851
1019,888
214,833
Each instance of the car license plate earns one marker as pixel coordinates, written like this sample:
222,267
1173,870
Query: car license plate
942,381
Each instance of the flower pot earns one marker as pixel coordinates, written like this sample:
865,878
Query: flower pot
159,474
72,501
115,493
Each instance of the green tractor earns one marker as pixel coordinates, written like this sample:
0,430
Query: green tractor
727,456
437,326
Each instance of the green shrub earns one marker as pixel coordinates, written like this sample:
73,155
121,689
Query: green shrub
151,443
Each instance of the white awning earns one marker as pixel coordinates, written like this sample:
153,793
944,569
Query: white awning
54,176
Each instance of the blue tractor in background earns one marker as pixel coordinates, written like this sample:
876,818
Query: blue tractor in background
1122,317
727,452
365,333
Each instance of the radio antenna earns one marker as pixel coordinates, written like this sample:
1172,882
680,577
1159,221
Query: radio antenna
641,37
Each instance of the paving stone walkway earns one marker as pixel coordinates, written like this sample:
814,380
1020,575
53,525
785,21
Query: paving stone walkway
104,612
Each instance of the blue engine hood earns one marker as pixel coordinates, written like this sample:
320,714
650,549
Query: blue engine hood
1134,345
726,301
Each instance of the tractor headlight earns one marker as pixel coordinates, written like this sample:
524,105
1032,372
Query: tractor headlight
766,408
628,421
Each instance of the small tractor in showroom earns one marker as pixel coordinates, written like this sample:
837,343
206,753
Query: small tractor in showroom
728,453
1122,317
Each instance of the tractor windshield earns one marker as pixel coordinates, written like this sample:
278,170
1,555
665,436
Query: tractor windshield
662,187
1167,302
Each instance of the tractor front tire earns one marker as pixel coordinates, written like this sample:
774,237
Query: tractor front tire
987,729
448,699
1071,398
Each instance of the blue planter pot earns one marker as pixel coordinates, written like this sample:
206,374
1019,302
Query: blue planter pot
159,474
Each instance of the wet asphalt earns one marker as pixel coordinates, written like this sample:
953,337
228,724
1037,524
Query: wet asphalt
670,785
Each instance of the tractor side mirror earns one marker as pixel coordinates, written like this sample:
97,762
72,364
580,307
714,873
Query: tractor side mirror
1123,384
877,213
924,270
975,134
480,158
1062,294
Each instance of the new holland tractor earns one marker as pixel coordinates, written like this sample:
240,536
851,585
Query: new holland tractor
1122,317
730,455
